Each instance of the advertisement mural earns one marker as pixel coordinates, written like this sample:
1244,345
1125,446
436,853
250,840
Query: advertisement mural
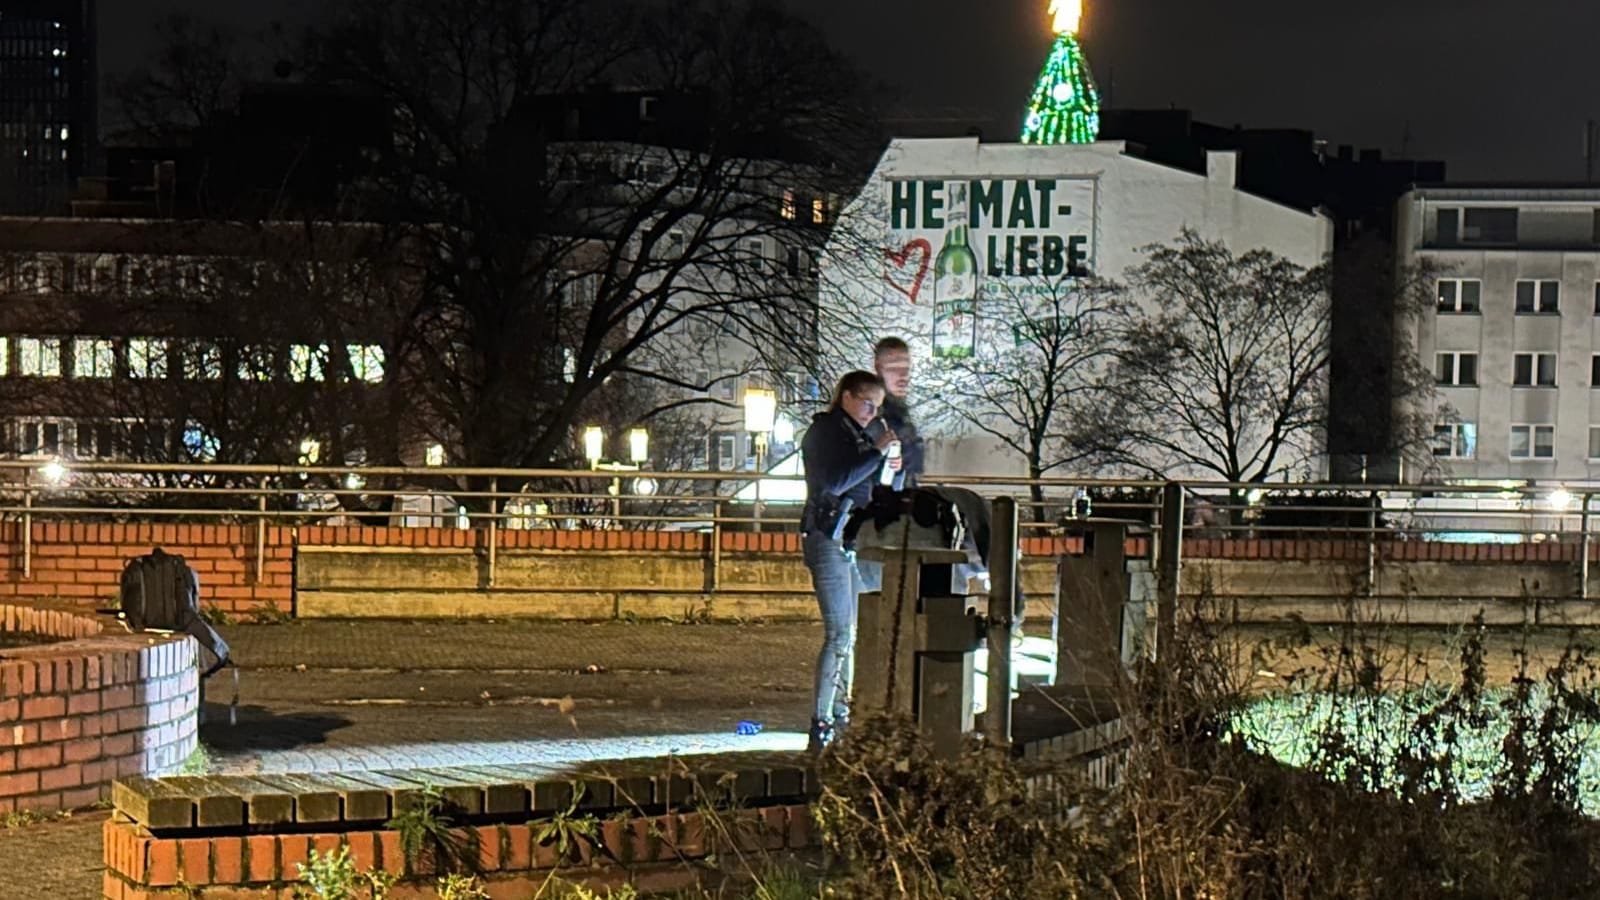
951,239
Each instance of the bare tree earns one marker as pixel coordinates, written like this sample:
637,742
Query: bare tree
191,80
549,260
1036,389
1225,367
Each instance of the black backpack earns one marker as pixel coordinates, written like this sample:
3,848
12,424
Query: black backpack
160,591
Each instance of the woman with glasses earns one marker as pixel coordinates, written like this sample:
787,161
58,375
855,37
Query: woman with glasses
842,463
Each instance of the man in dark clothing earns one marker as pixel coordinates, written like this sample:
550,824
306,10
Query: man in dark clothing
892,360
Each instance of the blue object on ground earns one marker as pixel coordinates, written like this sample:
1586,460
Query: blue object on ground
748,728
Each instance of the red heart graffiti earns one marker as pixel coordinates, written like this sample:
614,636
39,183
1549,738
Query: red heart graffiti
896,265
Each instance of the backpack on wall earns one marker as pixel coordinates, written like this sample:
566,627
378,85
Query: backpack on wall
160,591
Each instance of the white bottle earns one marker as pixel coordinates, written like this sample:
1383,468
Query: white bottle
891,452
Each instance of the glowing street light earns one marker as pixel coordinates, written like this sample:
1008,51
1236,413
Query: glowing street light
1560,500
760,410
594,444
638,445
53,471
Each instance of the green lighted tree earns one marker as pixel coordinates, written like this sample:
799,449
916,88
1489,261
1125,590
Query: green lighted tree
1065,107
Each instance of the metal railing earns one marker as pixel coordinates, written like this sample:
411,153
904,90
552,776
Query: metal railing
492,500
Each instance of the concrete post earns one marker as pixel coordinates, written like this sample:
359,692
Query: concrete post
1093,590
1002,599
1169,566
914,643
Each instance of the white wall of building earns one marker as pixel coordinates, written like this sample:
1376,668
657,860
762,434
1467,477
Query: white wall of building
1557,239
1134,203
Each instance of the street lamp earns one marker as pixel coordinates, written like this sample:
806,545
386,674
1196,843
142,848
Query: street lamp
594,450
594,445
760,415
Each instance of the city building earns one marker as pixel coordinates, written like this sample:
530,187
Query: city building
1042,211
1358,191
49,119
162,341
1515,340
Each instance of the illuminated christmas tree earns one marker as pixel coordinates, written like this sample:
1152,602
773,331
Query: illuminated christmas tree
1065,108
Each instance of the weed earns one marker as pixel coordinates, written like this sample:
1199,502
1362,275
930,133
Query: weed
198,762
424,826
333,876
24,818
566,828
215,615
266,613
461,887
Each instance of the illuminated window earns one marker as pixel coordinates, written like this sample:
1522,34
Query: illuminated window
434,456
39,357
202,361
819,211
199,443
305,362
147,357
93,358
255,364
366,362
1458,440
787,209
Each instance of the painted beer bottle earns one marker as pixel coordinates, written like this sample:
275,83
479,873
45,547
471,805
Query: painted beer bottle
955,285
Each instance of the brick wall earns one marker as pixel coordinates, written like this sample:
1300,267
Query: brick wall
82,562
654,853
79,712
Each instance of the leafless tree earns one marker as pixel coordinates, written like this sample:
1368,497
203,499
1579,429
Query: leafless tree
1224,370
1036,388
548,261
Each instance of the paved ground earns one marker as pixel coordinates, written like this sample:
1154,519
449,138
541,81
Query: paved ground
327,695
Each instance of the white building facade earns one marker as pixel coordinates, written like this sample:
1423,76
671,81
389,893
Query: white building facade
1515,340
1031,212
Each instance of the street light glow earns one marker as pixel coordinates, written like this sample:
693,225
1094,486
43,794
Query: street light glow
53,471
594,444
760,410
1560,500
638,445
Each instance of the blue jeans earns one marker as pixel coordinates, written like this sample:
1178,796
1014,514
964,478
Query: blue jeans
837,581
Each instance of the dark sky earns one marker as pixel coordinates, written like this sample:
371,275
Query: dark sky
1499,94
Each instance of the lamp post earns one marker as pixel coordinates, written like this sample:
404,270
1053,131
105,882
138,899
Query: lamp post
760,415
594,450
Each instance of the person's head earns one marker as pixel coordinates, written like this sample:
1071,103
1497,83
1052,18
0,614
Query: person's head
892,358
860,395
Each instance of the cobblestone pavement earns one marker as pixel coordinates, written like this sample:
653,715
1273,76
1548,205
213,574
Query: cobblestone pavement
326,695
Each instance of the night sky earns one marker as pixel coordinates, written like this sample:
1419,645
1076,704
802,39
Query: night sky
1499,95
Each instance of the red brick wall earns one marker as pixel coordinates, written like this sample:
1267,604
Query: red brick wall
653,852
82,562
76,714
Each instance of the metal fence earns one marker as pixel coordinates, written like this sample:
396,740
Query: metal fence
715,501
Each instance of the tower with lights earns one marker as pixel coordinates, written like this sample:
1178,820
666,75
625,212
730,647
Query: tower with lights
1065,107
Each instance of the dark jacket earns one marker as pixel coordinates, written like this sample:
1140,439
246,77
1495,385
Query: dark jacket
840,463
897,415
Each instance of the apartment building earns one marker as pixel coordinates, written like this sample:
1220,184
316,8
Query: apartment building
1515,340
